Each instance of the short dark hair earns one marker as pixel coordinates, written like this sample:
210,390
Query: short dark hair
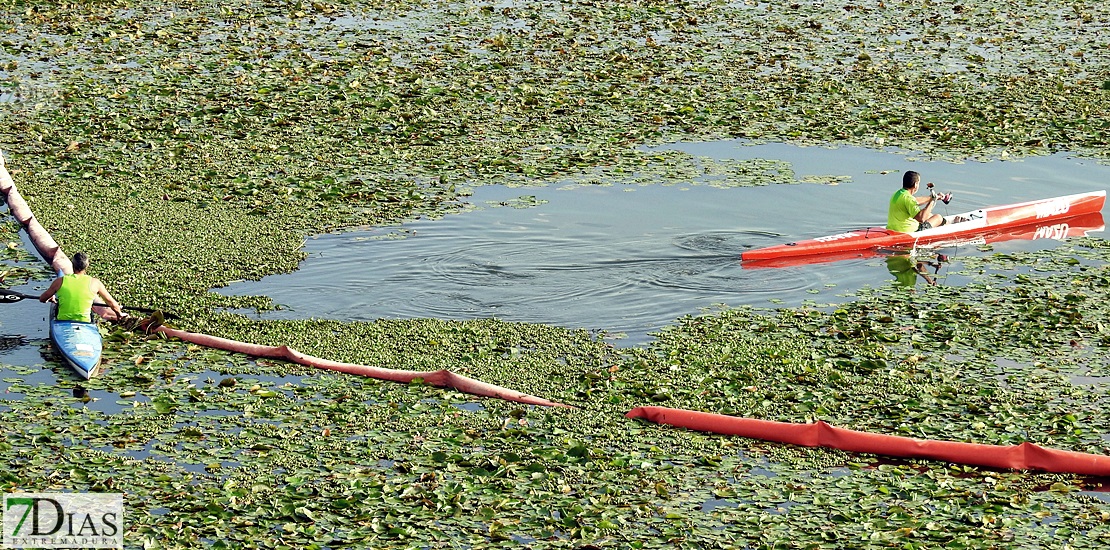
910,179
80,262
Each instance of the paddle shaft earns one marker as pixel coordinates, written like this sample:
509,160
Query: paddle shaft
8,295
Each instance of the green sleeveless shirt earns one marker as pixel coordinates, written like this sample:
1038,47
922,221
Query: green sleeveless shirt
75,298
903,208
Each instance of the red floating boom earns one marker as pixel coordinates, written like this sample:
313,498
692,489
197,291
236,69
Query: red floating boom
442,378
1025,456
44,243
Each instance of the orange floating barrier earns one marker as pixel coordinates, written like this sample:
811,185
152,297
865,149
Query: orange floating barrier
18,208
51,252
442,378
1026,456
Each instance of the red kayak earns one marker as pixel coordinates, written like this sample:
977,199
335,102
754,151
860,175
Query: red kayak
1056,218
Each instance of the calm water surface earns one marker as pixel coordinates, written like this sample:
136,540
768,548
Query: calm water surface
628,260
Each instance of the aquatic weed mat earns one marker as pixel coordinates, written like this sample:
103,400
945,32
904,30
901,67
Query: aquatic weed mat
219,450
268,102
268,120
187,127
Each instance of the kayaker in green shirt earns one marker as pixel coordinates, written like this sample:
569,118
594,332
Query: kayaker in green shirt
909,213
75,293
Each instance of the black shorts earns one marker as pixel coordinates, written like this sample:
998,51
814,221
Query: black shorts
924,225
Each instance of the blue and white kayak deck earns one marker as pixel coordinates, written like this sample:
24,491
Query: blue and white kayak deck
79,344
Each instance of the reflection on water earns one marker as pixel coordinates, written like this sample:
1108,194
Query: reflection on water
908,270
631,259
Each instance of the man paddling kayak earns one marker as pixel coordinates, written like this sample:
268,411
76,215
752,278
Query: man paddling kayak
909,213
75,293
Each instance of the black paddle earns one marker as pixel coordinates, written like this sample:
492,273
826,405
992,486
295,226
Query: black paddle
11,296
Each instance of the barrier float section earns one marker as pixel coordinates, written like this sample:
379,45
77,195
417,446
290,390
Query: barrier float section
1026,456
49,250
43,242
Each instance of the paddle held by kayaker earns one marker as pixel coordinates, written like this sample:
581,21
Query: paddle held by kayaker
75,293
909,213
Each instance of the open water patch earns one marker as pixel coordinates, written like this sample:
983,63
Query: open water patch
614,259
626,260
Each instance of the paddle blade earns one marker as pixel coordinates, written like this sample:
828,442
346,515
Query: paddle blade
151,324
10,296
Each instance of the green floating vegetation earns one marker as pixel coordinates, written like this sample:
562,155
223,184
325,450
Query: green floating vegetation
188,146
228,451
523,201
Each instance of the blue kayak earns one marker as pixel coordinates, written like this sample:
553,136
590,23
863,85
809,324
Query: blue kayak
78,343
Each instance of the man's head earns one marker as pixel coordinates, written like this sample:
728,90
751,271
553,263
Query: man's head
80,262
910,180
